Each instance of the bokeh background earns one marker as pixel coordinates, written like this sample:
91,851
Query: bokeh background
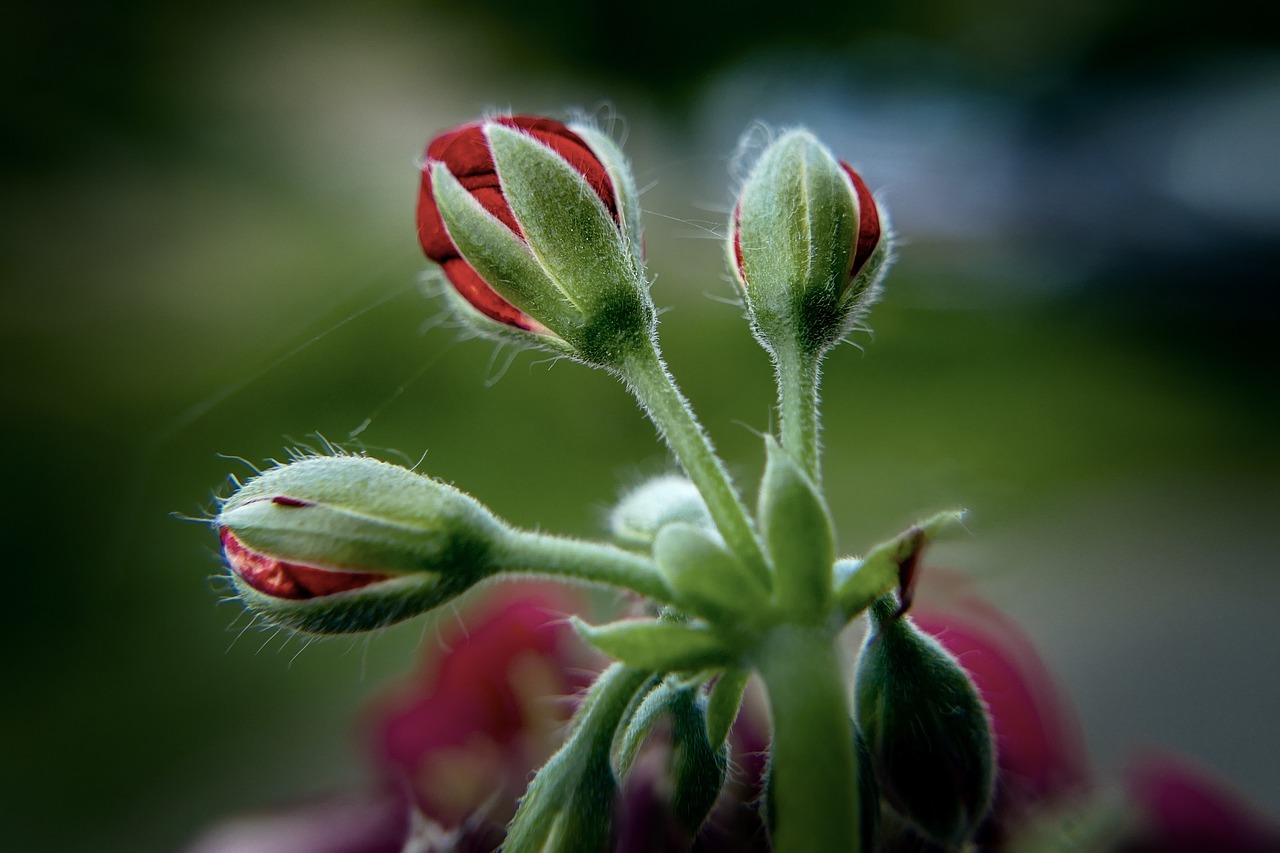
207,251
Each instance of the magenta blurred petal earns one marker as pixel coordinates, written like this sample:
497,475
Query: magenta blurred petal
1040,750
466,735
1182,808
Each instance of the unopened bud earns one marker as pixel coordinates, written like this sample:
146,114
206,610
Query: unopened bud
925,727
808,245
337,544
667,499
535,224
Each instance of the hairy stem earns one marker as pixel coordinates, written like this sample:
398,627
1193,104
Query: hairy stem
798,377
813,781
592,562
648,379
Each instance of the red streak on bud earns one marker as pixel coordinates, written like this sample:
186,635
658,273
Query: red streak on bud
285,500
280,579
868,222
737,243
465,152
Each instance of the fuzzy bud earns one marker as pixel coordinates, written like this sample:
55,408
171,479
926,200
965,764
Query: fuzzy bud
807,245
925,727
335,544
535,224
642,513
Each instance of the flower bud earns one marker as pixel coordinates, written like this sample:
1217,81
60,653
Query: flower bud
926,728
808,245
642,513
674,774
331,545
535,224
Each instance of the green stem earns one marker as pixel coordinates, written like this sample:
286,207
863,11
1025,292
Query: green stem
648,379
592,562
813,776
798,377
570,800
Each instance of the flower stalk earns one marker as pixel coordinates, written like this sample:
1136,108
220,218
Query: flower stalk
536,226
813,776
647,377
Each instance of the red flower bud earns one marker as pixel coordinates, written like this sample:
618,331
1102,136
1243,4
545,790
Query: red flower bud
808,246
467,155
868,228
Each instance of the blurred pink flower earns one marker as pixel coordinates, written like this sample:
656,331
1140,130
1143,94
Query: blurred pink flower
455,745
1180,808
1042,772
464,736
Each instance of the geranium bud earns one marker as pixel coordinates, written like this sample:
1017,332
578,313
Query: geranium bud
642,513
334,544
926,728
535,224
674,774
807,245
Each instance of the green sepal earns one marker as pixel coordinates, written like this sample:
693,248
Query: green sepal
926,728
861,582
502,259
624,185
724,704
364,609
569,805
797,531
661,646
577,243
466,315
344,513
707,579
360,514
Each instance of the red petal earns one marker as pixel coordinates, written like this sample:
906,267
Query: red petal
485,299
737,244
868,222
280,579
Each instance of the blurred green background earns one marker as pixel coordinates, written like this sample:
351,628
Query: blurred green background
207,251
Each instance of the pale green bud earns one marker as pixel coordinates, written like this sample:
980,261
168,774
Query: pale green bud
667,499
334,544
808,245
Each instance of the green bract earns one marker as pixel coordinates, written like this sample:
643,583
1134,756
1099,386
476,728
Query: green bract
706,579
798,531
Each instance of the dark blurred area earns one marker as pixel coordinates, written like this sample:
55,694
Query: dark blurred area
207,248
